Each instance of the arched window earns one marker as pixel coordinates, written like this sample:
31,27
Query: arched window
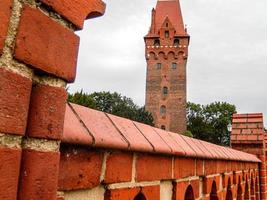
213,193
167,24
167,34
163,127
140,196
189,193
174,65
156,42
165,91
163,110
176,42
158,66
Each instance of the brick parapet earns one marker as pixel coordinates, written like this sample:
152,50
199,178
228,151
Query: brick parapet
121,173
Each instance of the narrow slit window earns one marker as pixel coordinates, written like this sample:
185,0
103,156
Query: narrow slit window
174,65
167,34
165,91
163,110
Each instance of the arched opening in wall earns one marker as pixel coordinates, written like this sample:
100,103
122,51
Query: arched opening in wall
246,197
213,193
167,34
140,196
165,91
229,194
189,193
176,42
163,110
163,127
239,192
252,188
156,42
257,188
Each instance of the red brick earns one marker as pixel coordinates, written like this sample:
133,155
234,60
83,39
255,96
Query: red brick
5,13
46,45
15,93
119,168
151,168
210,167
207,184
77,11
184,167
79,168
39,175
47,111
9,172
199,167
150,192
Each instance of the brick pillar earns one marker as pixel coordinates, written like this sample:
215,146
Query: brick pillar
263,186
38,49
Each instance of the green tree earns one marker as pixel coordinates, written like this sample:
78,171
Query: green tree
210,122
113,103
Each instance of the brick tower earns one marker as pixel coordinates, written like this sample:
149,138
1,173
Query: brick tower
166,54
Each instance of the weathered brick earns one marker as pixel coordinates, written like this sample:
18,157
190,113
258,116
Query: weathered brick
151,168
79,168
39,175
77,11
15,93
5,13
119,168
9,172
181,187
47,111
149,192
184,167
46,45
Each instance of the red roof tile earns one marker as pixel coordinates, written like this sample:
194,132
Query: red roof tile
94,128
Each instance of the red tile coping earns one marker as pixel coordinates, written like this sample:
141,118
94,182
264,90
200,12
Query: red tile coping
85,126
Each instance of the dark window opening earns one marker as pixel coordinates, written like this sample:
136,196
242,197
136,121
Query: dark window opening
156,42
165,91
174,65
167,25
163,127
163,110
167,34
176,42
158,66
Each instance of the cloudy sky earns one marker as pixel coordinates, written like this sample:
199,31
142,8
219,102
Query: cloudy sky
227,58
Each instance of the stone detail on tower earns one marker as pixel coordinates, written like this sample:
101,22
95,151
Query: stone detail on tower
166,54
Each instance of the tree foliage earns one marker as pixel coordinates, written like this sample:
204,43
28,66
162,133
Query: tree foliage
112,103
210,122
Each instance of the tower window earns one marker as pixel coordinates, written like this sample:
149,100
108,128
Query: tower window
167,34
158,66
174,65
163,110
167,25
163,127
156,42
176,42
165,91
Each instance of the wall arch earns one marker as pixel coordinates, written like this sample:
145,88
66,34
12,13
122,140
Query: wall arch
171,55
140,196
162,55
213,193
152,56
229,194
189,193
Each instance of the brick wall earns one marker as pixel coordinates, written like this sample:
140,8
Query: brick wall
38,49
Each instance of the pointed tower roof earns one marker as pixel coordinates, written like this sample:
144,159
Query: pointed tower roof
172,10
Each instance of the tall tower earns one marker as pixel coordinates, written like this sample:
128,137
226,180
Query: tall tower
166,54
